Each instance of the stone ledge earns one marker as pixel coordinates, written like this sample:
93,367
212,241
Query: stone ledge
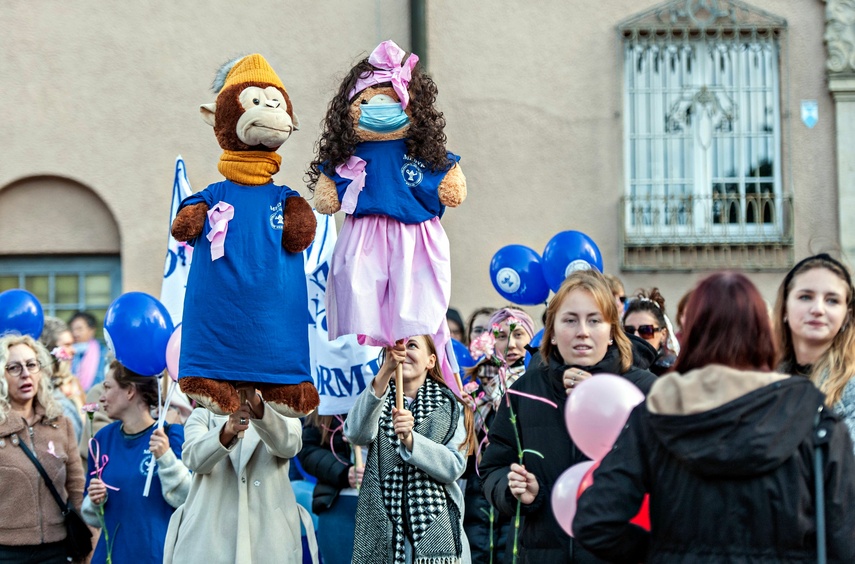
676,258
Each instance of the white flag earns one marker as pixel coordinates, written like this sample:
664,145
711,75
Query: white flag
341,369
176,267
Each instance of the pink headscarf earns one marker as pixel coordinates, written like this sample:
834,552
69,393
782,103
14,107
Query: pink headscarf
524,320
387,58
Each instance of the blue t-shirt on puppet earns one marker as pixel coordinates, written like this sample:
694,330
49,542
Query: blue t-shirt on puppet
235,325
136,524
396,184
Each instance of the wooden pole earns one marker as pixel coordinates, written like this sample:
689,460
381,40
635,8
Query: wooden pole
242,395
399,386
357,460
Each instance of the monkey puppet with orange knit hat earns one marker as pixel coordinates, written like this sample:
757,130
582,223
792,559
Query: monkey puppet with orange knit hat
245,313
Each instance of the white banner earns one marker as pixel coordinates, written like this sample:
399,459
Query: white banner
342,368
176,267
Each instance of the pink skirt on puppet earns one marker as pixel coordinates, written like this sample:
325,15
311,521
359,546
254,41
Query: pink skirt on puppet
388,280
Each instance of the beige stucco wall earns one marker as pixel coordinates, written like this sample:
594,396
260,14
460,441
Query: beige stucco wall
107,94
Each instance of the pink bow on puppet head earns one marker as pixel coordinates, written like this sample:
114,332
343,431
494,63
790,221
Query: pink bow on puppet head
387,58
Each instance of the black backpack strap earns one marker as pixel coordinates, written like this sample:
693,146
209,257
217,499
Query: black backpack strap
823,425
62,505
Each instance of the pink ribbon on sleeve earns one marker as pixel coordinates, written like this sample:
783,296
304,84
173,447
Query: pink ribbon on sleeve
99,462
387,58
353,170
218,218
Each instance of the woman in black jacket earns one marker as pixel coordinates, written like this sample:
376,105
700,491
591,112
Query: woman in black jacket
335,494
582,337
725,449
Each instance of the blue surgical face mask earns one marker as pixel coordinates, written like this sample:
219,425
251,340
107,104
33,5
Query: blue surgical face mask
383,118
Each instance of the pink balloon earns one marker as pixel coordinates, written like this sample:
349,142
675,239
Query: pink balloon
173,353
564,494
597,411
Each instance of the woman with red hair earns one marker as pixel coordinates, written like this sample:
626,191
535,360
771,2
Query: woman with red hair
725,447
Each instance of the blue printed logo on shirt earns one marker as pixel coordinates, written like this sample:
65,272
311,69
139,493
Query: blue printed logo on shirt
277,220
412,174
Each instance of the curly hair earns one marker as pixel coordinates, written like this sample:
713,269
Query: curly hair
44,392
425,139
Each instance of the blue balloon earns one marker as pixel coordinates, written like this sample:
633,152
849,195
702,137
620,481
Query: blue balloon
464,359
517,274
535,343
21,312
567,252
137,327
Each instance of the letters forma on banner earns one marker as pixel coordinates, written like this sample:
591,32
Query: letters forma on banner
341,368
176,267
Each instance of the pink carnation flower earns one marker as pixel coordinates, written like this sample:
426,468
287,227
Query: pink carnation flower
91,407
62,353
482,345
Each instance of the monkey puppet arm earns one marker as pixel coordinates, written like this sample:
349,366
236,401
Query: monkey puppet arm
452,189
326,196
299,227
189,222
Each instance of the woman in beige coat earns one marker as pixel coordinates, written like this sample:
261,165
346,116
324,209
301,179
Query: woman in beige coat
241,508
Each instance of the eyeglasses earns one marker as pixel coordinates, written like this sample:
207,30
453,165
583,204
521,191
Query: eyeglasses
643,331
32,366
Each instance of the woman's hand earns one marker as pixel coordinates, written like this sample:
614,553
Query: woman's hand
256,405
573,377
394,356
403,421
159,443
523,484
354,476
237,422
97,491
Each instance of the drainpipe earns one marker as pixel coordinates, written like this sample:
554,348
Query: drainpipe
418,30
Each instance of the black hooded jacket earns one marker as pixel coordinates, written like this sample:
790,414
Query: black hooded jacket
542,429
727,459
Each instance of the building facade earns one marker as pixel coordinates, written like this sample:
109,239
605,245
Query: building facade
683,137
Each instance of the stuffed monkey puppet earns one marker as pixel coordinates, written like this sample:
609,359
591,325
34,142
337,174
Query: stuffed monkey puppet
245,309
382,160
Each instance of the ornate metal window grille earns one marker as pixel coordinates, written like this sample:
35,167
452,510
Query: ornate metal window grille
702,126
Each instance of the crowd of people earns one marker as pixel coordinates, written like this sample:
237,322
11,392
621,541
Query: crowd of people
743,445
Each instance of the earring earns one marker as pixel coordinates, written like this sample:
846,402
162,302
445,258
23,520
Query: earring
552,341
611,341
785,319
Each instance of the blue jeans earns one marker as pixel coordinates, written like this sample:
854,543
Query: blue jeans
335,530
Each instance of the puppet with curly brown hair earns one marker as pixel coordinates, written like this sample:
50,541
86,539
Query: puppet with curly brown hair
245,312
382,160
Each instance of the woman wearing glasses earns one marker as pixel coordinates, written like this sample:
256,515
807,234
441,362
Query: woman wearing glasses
645,317
32,527
815,329
582,337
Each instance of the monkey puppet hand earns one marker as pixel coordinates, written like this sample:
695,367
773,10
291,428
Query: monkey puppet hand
299,227
189,222
452,189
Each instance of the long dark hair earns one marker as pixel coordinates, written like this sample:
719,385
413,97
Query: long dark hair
726,323
425,139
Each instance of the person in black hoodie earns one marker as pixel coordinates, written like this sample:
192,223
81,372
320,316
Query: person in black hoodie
582,337
725,448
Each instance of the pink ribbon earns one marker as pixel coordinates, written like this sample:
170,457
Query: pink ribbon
51,449
218,218
353,170
387,58
100,463
332,436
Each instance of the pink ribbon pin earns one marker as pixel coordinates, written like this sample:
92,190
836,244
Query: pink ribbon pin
51,449
218,218
100,462
387,58
353,170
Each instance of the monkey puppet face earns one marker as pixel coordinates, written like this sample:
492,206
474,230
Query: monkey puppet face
263,118
376,95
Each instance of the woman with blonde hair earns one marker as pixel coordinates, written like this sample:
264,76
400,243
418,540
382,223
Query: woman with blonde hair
582,337
32,525
410,506
815,330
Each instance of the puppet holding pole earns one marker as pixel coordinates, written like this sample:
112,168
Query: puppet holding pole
382,160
